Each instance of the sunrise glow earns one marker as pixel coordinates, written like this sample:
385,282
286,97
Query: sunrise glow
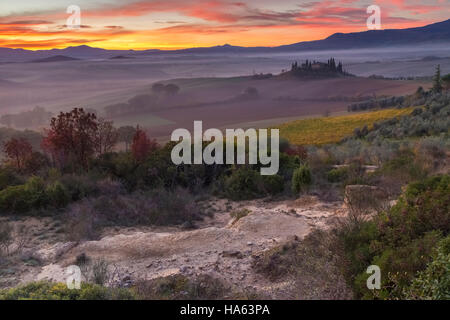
174,24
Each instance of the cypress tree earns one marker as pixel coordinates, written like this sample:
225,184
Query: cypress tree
437,81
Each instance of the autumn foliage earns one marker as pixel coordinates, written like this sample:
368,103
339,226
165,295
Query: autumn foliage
72,137
142,146
299,151
18,151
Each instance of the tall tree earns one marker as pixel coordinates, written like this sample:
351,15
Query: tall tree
72,137
437,81
126,134
106,136
142,146
18,151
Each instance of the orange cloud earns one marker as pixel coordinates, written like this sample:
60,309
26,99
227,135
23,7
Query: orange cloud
206,23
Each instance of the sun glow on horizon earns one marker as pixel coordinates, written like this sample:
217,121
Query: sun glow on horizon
179,24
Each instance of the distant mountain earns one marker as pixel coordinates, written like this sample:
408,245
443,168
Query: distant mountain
435,34
79,52
223,49
58,58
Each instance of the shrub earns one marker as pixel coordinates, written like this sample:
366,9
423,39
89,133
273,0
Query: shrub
179,287
59,291
337,174
36,195
57,195
288,164
398,264
301,179
173,207
237,215
243,184
424,207
6,238
97,271
8,178
400,241
13,199
308,264
404,167
79,186
87,217
434,282
23,198
273,184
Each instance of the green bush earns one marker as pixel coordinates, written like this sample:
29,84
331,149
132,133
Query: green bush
288,164
9,178
434,282
23,198
14,199
179,287
36,195
57,195
273,184
79,186
243,184
400,241
337,174
59,291
404,167
35,190
301,179
424,207
398,266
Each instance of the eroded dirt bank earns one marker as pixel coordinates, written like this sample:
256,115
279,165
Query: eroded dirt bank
220,245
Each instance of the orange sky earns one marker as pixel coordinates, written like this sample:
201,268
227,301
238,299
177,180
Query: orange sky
173,24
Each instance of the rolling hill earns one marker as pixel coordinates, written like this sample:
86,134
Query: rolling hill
57,58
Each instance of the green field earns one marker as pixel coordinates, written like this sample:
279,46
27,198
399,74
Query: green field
318,131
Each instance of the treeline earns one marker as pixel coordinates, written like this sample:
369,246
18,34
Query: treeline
318,68
431,119
159,96
377,103
27,119
32,137
419,98
81,146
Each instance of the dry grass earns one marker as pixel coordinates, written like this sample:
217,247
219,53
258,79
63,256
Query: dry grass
320,131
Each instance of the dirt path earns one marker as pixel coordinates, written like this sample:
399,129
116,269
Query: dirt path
220,246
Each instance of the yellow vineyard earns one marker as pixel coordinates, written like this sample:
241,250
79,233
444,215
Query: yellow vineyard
319,131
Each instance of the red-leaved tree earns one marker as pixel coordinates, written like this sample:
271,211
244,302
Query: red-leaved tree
142,146
72,137
299,151
18,151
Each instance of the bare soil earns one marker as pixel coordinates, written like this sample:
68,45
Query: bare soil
219,246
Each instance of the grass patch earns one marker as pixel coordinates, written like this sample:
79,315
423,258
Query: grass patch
237,215
318,131
59,291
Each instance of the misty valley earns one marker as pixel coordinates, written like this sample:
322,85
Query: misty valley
316,170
